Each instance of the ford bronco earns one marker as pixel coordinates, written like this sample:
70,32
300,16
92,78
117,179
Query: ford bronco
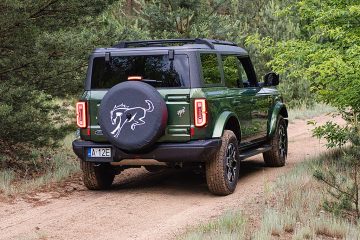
177,102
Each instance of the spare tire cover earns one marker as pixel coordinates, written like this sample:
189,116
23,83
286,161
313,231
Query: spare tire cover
132,115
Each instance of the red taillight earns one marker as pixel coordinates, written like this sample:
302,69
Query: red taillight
200,112
81,114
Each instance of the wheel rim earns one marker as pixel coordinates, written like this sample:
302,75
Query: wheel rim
231,162
282,141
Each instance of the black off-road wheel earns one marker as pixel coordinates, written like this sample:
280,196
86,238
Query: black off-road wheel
97,176
222,172
276,157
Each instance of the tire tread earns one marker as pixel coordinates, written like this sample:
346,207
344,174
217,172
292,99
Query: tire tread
97,177
215,171
272,158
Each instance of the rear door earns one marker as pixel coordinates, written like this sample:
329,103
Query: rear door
213,89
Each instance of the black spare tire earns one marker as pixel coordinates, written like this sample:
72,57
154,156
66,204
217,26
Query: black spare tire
132,115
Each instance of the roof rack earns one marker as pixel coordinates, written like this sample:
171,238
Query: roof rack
144,43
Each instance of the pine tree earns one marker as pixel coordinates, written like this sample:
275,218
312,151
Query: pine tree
42,55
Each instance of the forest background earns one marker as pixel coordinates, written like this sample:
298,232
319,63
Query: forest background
45,44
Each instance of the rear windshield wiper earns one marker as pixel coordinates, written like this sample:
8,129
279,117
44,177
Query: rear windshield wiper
151,81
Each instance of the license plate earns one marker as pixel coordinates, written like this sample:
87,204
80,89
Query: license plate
99,152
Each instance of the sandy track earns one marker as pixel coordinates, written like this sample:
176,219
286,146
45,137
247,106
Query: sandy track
145,205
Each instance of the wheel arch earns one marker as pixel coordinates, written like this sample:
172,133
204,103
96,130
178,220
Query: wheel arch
227,121
278,110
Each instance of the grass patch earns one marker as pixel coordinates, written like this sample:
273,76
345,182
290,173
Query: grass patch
231,225
293,209
296,209
304,112
61,164
6,178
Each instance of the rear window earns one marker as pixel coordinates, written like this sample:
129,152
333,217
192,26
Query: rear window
156,70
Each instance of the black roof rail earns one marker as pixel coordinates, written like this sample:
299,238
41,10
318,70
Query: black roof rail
221,42
209,42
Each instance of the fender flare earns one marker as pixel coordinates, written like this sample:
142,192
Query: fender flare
278,108
221,123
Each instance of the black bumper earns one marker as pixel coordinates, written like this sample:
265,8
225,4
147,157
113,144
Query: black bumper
193,151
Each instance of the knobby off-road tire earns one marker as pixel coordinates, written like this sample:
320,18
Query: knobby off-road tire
222,172
276,157
97,177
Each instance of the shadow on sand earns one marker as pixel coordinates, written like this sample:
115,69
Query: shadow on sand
172,180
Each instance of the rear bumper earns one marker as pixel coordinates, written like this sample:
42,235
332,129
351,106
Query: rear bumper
193,151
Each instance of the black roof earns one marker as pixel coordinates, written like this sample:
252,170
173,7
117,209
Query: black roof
175,44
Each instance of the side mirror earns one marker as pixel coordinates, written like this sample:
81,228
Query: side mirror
271,79
246,84
261,84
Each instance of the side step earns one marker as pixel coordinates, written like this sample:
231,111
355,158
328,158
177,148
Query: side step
254,151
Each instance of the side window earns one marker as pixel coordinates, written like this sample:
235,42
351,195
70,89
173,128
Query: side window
210,68
244,76
234,72
250,77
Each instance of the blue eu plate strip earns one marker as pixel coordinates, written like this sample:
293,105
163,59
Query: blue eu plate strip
89,152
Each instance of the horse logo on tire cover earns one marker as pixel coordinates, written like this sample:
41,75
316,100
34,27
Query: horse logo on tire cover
123,115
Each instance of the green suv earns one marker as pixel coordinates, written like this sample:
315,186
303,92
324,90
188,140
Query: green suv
176,103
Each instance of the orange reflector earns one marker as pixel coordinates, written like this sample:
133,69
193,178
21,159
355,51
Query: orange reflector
200,112
134,78
81,114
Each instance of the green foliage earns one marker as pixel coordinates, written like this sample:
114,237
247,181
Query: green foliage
40,45
323,61
43,52
338,135
25,116
325,56
266,22
343,177
182,19
342,181
335,135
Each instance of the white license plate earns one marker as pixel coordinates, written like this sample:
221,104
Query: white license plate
99,152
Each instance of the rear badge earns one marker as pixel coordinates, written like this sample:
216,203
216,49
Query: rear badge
123,115
181,112
98,132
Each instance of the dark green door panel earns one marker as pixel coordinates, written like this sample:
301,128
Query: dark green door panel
264,102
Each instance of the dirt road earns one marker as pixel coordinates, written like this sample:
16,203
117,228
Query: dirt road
144,205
